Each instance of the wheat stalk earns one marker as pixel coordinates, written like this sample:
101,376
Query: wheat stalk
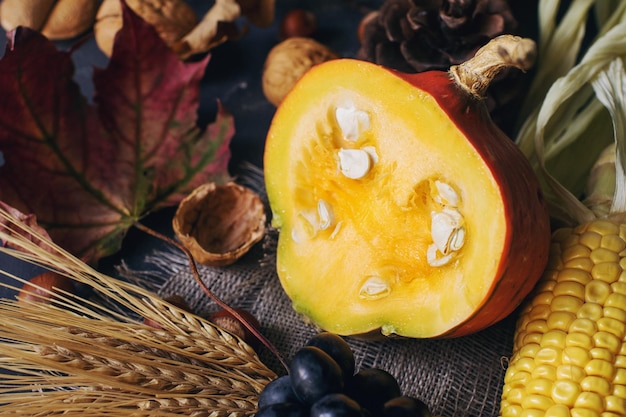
75,356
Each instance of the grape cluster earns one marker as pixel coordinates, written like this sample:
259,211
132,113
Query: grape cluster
322,383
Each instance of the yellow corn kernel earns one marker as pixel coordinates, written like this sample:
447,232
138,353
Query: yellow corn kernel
516,395
597,292
620,286
566,303
590,239
584,325
573,355
619,390
620,360
537,326
509,410
560,320
615,404
544,371
575,251
570,373
609,414
565,392
532,413
603,227
520,379
582,276
536,402
572,288
608,341
529,350
590,401
596,384
620,377
606,271
616,300
601,368
582,412
613,326
558,410
601,354
534,337
549,355
615,313
582,340
591,311
539,386
553,338
613,243
539,312
601,255
543,297
584,264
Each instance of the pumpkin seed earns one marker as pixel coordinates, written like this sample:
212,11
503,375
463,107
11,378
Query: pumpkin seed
354,163
325,214
446,195
374,288
433,258
352,122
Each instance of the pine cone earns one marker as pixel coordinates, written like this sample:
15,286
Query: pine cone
419,35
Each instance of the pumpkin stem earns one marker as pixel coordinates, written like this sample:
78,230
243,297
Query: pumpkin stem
505,51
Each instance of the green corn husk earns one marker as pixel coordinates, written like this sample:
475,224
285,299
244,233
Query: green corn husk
563,125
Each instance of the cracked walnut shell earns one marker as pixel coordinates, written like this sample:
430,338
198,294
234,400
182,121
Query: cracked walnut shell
218,224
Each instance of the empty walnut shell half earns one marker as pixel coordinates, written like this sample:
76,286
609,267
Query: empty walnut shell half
218,224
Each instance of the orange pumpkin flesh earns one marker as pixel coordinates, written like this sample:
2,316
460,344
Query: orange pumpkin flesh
354,242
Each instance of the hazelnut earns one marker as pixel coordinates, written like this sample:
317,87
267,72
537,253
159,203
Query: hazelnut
225,320
172,19
42,287
287,62
298,23
218,224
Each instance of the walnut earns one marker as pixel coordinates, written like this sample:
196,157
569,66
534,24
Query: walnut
56,19
172,19
218,224
287,62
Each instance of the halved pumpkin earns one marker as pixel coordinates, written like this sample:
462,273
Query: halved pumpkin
401,207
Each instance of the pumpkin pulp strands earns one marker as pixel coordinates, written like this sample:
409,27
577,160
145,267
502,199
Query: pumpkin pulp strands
75,357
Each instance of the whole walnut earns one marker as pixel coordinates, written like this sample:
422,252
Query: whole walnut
172,19
55,19
287,62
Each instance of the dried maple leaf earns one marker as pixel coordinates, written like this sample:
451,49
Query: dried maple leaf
88,171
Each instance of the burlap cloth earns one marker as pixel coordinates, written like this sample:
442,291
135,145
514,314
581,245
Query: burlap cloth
460,377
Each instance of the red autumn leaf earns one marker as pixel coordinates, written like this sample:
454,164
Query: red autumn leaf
88,171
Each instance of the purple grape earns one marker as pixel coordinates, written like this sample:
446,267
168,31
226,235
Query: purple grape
372,388
406,407
314,374
337,348
276,392
336,405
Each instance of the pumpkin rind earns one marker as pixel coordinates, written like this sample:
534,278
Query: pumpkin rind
352,252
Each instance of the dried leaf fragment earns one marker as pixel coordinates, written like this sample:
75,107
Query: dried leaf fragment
172,20
218,224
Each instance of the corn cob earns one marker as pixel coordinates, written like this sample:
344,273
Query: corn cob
569,353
